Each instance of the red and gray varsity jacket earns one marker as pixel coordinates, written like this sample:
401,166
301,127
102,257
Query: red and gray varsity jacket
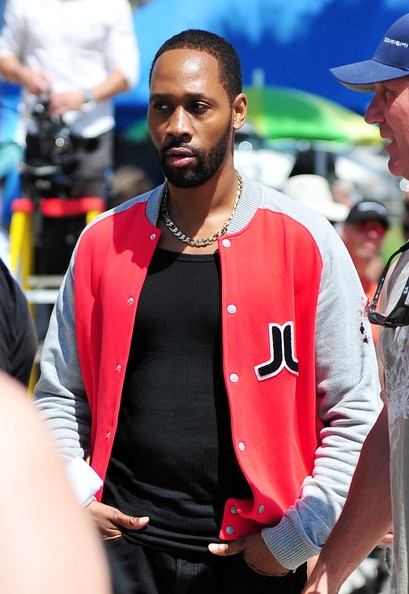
298,358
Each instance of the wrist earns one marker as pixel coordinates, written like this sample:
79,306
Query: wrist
88,96
25,76
90,499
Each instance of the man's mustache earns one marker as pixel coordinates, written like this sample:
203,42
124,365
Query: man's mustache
175,143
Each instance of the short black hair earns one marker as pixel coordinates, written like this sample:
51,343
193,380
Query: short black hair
218,47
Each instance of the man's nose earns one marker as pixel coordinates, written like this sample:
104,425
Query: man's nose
179,123
374,113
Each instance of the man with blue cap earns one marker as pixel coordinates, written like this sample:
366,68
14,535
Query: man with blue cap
380,488
386,74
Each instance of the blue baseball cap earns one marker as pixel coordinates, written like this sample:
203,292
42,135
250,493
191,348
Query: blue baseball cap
391,60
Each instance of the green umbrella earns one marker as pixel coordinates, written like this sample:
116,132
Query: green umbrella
280,112
138,131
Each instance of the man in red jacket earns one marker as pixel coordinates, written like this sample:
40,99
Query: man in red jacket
210,351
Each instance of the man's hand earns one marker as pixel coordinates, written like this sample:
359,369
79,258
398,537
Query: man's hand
255,553
110,520
35,81
65,101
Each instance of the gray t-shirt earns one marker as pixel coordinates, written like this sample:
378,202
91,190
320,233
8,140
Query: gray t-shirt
393,353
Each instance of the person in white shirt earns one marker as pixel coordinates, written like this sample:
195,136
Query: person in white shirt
79,54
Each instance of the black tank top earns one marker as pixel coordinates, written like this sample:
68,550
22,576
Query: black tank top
173,457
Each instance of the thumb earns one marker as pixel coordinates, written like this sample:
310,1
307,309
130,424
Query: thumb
131,522
227,548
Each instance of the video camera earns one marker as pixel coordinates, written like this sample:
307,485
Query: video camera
55,140
49,158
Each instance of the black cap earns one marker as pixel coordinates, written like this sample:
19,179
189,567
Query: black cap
368,210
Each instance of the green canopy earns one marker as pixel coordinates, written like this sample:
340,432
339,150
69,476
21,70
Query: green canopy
138,132
280,112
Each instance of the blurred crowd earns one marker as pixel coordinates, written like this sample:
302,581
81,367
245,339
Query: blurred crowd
71,103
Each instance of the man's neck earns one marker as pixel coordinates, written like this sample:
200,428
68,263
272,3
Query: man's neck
216,196
199,212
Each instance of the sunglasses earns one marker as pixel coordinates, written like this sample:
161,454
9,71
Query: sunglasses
399,316
371,226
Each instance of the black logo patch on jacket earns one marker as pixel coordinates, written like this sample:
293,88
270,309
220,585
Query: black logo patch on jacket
281,350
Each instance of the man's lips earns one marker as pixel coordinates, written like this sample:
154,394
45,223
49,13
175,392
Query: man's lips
386,138
179,157
389,142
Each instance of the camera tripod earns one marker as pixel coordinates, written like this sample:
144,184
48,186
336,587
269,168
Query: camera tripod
47,221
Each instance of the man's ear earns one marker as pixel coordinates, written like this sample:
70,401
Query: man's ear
239,111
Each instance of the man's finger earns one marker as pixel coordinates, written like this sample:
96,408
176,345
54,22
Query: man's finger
226,549
131,522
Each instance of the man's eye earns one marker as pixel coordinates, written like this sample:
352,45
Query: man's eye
161,106
198,106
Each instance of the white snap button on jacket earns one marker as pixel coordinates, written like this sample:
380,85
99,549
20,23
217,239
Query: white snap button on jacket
229,530
242,447
231,309
153,236
226,243
234,378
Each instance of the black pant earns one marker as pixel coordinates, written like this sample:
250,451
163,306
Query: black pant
156,572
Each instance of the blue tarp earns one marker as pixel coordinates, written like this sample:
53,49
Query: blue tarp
290,43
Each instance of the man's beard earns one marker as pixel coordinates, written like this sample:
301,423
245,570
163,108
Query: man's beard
207,163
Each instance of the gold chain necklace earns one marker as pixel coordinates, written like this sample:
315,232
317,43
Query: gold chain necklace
207,240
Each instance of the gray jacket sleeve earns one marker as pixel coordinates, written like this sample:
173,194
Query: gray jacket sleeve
60,394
